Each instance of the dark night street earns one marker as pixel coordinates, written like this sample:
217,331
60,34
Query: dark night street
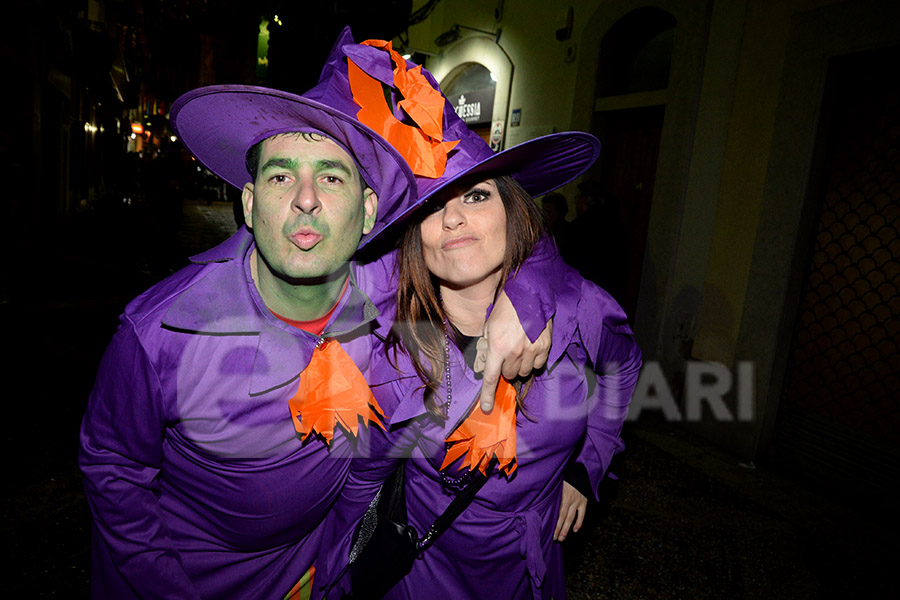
743,209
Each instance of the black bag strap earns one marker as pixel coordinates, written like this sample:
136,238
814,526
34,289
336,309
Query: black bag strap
456,507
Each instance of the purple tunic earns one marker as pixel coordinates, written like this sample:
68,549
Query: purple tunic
197,482
501,546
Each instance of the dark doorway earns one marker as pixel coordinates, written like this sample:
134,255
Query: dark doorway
626,173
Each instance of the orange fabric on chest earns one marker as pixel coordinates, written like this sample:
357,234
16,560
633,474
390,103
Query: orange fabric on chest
332,391
483,436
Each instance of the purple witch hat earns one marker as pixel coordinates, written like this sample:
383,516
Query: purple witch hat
219,124
539,165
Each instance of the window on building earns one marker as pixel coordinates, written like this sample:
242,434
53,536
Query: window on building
636,53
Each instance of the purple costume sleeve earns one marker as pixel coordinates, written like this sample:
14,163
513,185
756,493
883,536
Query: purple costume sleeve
121,457
616,363
532,289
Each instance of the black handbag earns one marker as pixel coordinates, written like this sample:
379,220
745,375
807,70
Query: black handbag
385,545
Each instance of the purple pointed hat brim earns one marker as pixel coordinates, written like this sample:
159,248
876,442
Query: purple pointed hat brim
219,124
539,165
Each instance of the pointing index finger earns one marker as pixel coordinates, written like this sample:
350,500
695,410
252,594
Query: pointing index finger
489,383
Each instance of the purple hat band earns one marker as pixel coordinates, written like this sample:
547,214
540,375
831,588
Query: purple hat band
219,124
540,165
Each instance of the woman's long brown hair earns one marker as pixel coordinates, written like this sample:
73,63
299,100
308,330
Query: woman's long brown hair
419,328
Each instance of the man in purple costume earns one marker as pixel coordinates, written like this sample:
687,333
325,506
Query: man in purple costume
202,481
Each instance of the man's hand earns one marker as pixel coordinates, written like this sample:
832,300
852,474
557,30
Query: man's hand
571,510
504,348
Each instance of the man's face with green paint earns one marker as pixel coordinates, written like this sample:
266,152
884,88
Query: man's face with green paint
308,207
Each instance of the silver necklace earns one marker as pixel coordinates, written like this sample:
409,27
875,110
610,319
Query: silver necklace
448,481
445,407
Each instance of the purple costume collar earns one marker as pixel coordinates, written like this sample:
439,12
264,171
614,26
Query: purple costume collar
216,305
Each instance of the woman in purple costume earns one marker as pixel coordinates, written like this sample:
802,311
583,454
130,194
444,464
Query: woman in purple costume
544,448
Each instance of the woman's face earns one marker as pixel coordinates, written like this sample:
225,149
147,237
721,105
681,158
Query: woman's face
464,239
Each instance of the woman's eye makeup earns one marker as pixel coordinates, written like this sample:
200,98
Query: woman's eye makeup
477,195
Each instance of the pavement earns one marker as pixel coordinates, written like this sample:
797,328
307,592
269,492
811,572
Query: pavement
684,519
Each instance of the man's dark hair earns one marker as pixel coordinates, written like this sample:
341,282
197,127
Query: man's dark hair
252,160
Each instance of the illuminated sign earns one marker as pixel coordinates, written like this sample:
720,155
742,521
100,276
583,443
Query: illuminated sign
475,106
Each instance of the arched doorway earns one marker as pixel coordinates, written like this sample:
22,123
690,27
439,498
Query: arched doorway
632,77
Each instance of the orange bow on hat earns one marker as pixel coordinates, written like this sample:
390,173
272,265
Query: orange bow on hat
483,436
423,146
332,391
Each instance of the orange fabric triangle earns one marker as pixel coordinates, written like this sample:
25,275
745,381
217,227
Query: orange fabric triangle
483,436
423,147
303,589
332,392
